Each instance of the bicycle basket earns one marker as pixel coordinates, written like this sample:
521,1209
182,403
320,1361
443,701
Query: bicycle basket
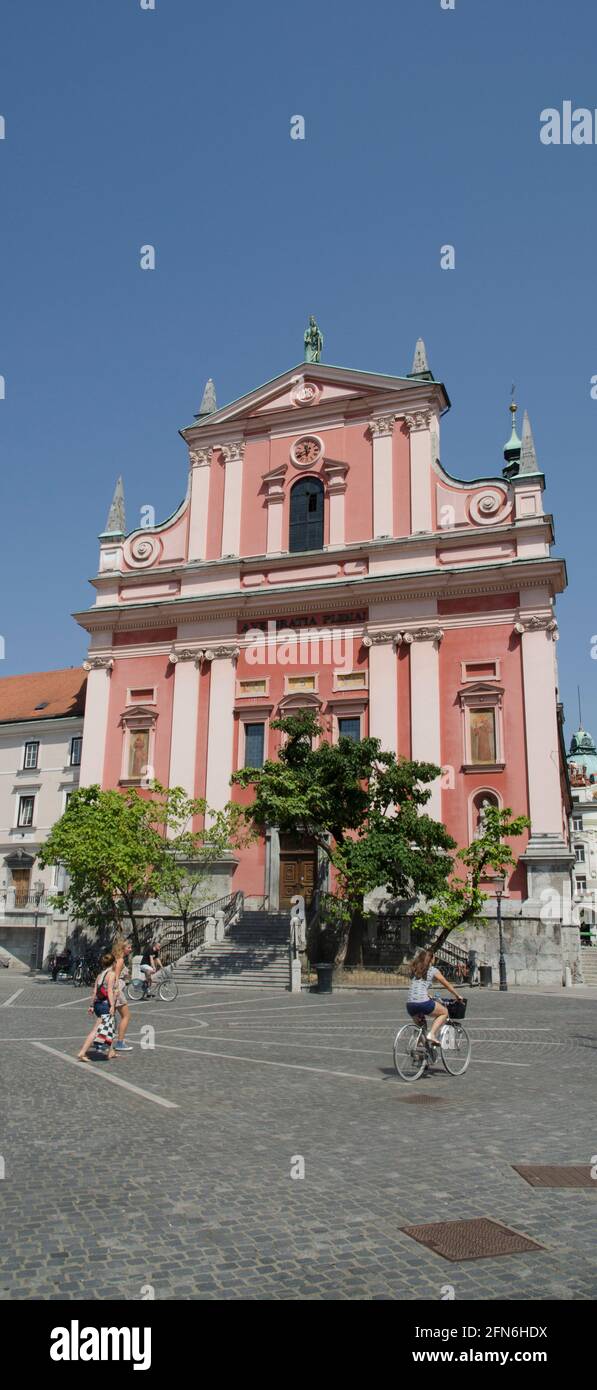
456,1007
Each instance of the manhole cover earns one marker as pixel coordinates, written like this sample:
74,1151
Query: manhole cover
479,1239
423,1100
552,1175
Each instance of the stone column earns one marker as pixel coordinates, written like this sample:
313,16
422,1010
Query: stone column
382,431
185,716
233,486
220,724
200,460
383,688
547,857
424,643
420,428
95,727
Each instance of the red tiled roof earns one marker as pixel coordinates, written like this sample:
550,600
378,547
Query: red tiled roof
64,692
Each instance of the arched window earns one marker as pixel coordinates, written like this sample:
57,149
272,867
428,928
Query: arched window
306,515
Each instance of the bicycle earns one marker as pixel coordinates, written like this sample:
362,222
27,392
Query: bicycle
163,986
414,1054
84,972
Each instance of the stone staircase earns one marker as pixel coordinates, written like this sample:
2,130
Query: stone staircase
253,952
588,960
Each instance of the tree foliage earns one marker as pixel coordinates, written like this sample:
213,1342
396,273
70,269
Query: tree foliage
362,806
461,900
121,848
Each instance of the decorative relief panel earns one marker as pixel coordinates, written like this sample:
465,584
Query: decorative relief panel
489,506
143,550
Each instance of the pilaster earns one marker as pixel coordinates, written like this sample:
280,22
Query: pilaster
424,643
95,726
382,431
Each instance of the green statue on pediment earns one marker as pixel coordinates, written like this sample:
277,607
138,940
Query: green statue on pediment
313,342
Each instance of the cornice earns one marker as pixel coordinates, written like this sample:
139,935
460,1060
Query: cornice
326,595
450,538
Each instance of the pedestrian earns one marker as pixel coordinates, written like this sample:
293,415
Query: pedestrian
103,1007
122,954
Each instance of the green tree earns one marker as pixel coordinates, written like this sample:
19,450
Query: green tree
120,848
362,806
461,899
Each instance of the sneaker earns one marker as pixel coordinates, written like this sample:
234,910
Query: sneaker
122,1047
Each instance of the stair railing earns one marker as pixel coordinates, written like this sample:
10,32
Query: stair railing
176,941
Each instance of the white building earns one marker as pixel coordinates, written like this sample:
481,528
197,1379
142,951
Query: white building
582,762
41,735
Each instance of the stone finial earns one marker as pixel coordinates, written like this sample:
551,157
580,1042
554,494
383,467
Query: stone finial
116,523
528,456
208,401
420,367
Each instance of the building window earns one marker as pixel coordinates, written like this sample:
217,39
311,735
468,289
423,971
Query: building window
581,884
25,817
254,745
579,851
31,755
76,745
306,515
350,728
145,696
577,823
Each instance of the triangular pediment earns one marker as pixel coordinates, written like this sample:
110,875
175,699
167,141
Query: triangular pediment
310,385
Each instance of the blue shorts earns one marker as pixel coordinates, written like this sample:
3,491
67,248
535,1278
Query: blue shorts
425,1007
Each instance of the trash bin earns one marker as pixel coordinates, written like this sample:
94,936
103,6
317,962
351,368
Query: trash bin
485,976
324,978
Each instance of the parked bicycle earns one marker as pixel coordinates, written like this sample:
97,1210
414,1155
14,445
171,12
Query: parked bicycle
162,986
414,1054
84,971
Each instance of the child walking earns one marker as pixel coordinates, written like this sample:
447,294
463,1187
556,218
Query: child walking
103,1007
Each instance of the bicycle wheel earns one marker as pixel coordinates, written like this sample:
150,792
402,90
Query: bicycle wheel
135,991
168,989
455,1048
410,1058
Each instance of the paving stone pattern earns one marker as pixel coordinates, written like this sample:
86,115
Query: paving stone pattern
105,1192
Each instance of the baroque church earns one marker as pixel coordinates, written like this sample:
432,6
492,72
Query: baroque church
324,558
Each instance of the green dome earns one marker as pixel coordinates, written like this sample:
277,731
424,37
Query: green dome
583,753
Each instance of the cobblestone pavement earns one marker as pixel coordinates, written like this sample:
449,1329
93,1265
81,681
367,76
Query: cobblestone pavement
107,1191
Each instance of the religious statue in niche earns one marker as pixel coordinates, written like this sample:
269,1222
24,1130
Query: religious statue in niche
482,728
138,753
313,341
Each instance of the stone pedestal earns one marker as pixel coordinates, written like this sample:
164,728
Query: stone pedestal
295,976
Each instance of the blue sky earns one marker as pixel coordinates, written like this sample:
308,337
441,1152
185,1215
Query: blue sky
171,127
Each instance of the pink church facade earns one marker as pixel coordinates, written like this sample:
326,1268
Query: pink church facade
323,558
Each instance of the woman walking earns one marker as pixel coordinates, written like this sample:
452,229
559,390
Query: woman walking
103,1006
122,953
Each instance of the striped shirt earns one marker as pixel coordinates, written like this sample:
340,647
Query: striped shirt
418,990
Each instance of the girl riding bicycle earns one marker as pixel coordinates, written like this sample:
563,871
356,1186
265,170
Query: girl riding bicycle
420,1002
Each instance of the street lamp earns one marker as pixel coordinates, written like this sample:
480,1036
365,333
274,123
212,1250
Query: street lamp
38,890
499,883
